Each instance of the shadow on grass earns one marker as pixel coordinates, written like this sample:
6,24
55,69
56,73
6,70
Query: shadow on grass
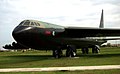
25,58
28,58
98,55
45,57
32,57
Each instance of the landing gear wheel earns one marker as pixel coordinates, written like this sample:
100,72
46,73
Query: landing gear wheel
85,50
95,49
71,51
57,53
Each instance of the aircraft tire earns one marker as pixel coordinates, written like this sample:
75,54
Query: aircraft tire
57,53
85,50
95,49
71,51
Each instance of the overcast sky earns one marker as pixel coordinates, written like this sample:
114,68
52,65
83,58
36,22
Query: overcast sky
82,13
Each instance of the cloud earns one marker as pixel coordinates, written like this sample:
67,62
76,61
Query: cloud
99,2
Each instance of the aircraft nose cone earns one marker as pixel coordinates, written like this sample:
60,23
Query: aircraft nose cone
20,31
17,30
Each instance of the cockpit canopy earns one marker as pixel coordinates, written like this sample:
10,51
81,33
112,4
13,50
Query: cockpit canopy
29,23
40,24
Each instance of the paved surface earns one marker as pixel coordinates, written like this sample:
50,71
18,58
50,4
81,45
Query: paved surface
61,68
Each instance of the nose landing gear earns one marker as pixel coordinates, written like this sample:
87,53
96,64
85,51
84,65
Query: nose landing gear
71,51
57,53
95,49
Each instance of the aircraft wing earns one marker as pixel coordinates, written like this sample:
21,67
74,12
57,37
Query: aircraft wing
111,39
80,32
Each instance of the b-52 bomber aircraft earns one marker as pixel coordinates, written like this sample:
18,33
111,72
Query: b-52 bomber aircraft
46,36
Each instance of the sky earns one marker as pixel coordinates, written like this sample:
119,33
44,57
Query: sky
79,13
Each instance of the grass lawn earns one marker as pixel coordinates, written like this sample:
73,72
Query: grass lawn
107,56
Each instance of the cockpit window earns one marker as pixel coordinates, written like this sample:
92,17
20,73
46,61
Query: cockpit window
27,22
32,24
38,24
35,24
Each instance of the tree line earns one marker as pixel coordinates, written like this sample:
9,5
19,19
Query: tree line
14,45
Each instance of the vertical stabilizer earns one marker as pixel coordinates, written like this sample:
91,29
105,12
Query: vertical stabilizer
102,20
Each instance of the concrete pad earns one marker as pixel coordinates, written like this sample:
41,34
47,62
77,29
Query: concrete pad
104,67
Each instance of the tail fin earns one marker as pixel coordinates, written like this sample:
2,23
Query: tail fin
101,20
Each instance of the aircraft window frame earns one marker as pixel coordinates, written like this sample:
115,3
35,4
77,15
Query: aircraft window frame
38,24
28,23
35,23
32,24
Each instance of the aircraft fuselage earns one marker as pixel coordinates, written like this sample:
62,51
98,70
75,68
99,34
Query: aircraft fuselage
41,37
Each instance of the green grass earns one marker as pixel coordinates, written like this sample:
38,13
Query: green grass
71,72
107,56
